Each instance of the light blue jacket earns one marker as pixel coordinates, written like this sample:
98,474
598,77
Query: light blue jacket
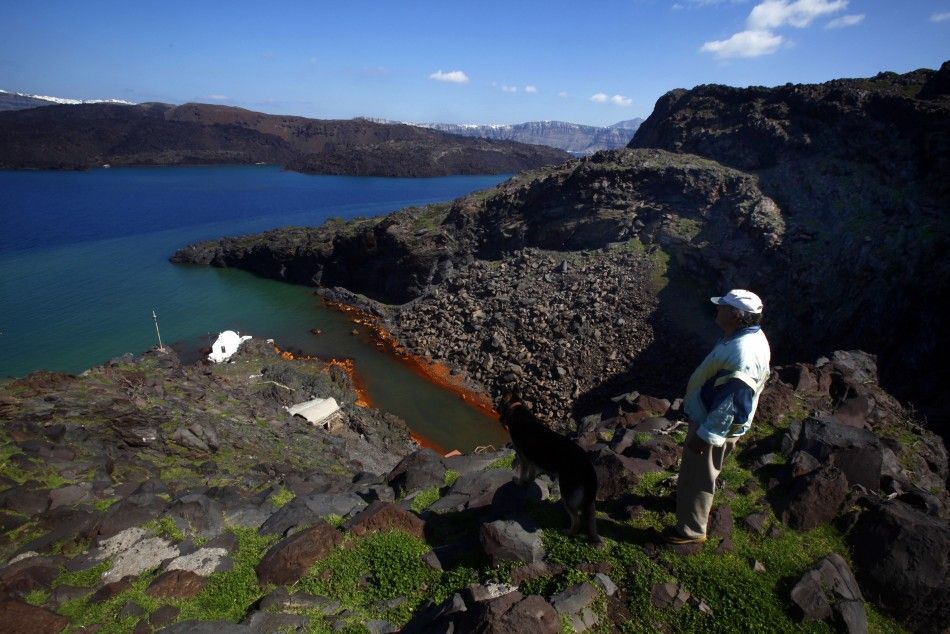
723,392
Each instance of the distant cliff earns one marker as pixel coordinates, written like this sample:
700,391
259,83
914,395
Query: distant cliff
570,137
89,135
14,101
22,101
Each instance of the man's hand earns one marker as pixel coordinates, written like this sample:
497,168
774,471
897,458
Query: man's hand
697,445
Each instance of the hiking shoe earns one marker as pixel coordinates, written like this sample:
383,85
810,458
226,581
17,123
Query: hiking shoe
672,536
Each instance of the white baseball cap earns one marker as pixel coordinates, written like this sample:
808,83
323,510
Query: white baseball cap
746,301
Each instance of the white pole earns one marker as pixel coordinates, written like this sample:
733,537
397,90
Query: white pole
155,317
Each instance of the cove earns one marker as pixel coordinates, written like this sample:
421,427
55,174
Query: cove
84,261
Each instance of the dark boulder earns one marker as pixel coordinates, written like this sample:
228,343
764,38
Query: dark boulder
289,559
814,498
32,573
510,541
419,470
829,589
22,499
384,516
303,511
177,584
512,612
204,515
902,561
472,491
23,617
856,452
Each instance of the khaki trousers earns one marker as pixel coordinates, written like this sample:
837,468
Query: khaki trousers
697,484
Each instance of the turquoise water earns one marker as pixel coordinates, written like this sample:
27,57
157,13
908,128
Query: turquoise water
84,261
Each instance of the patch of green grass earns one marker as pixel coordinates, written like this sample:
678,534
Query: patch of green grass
334,520
82,578
37,597
228,594
686,228
165,527
281,497
425,499
103,505
507,462
742,599
25,533
38,471
650,484
178,473
451,581
450,477
84,612
431,217
364,571
566,627
732,475
71,547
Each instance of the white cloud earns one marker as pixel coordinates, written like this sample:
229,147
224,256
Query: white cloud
845,21
216,97
617,100
772,14
453,76
759,37
510,88
530,89
744,44
562,94
940,17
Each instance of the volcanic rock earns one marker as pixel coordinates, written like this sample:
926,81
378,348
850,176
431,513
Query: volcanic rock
902,561
289,559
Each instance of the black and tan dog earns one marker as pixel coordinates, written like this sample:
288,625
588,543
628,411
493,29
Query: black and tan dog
542,449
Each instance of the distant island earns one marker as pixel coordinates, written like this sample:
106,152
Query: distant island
87,135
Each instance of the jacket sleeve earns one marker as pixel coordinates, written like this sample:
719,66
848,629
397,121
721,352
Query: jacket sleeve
731,405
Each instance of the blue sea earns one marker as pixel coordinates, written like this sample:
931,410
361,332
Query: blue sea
84,262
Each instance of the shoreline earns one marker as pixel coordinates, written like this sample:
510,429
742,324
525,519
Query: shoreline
435,373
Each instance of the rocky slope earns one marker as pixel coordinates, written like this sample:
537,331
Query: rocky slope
146,496
861,171
90,135
841,222
570,267
570,137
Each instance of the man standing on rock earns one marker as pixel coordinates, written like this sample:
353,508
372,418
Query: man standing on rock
721,398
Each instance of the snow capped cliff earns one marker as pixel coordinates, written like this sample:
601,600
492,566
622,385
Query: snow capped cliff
20,100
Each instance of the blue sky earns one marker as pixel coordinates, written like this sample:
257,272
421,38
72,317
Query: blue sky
456,62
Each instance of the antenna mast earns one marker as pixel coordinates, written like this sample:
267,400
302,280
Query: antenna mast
155,317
